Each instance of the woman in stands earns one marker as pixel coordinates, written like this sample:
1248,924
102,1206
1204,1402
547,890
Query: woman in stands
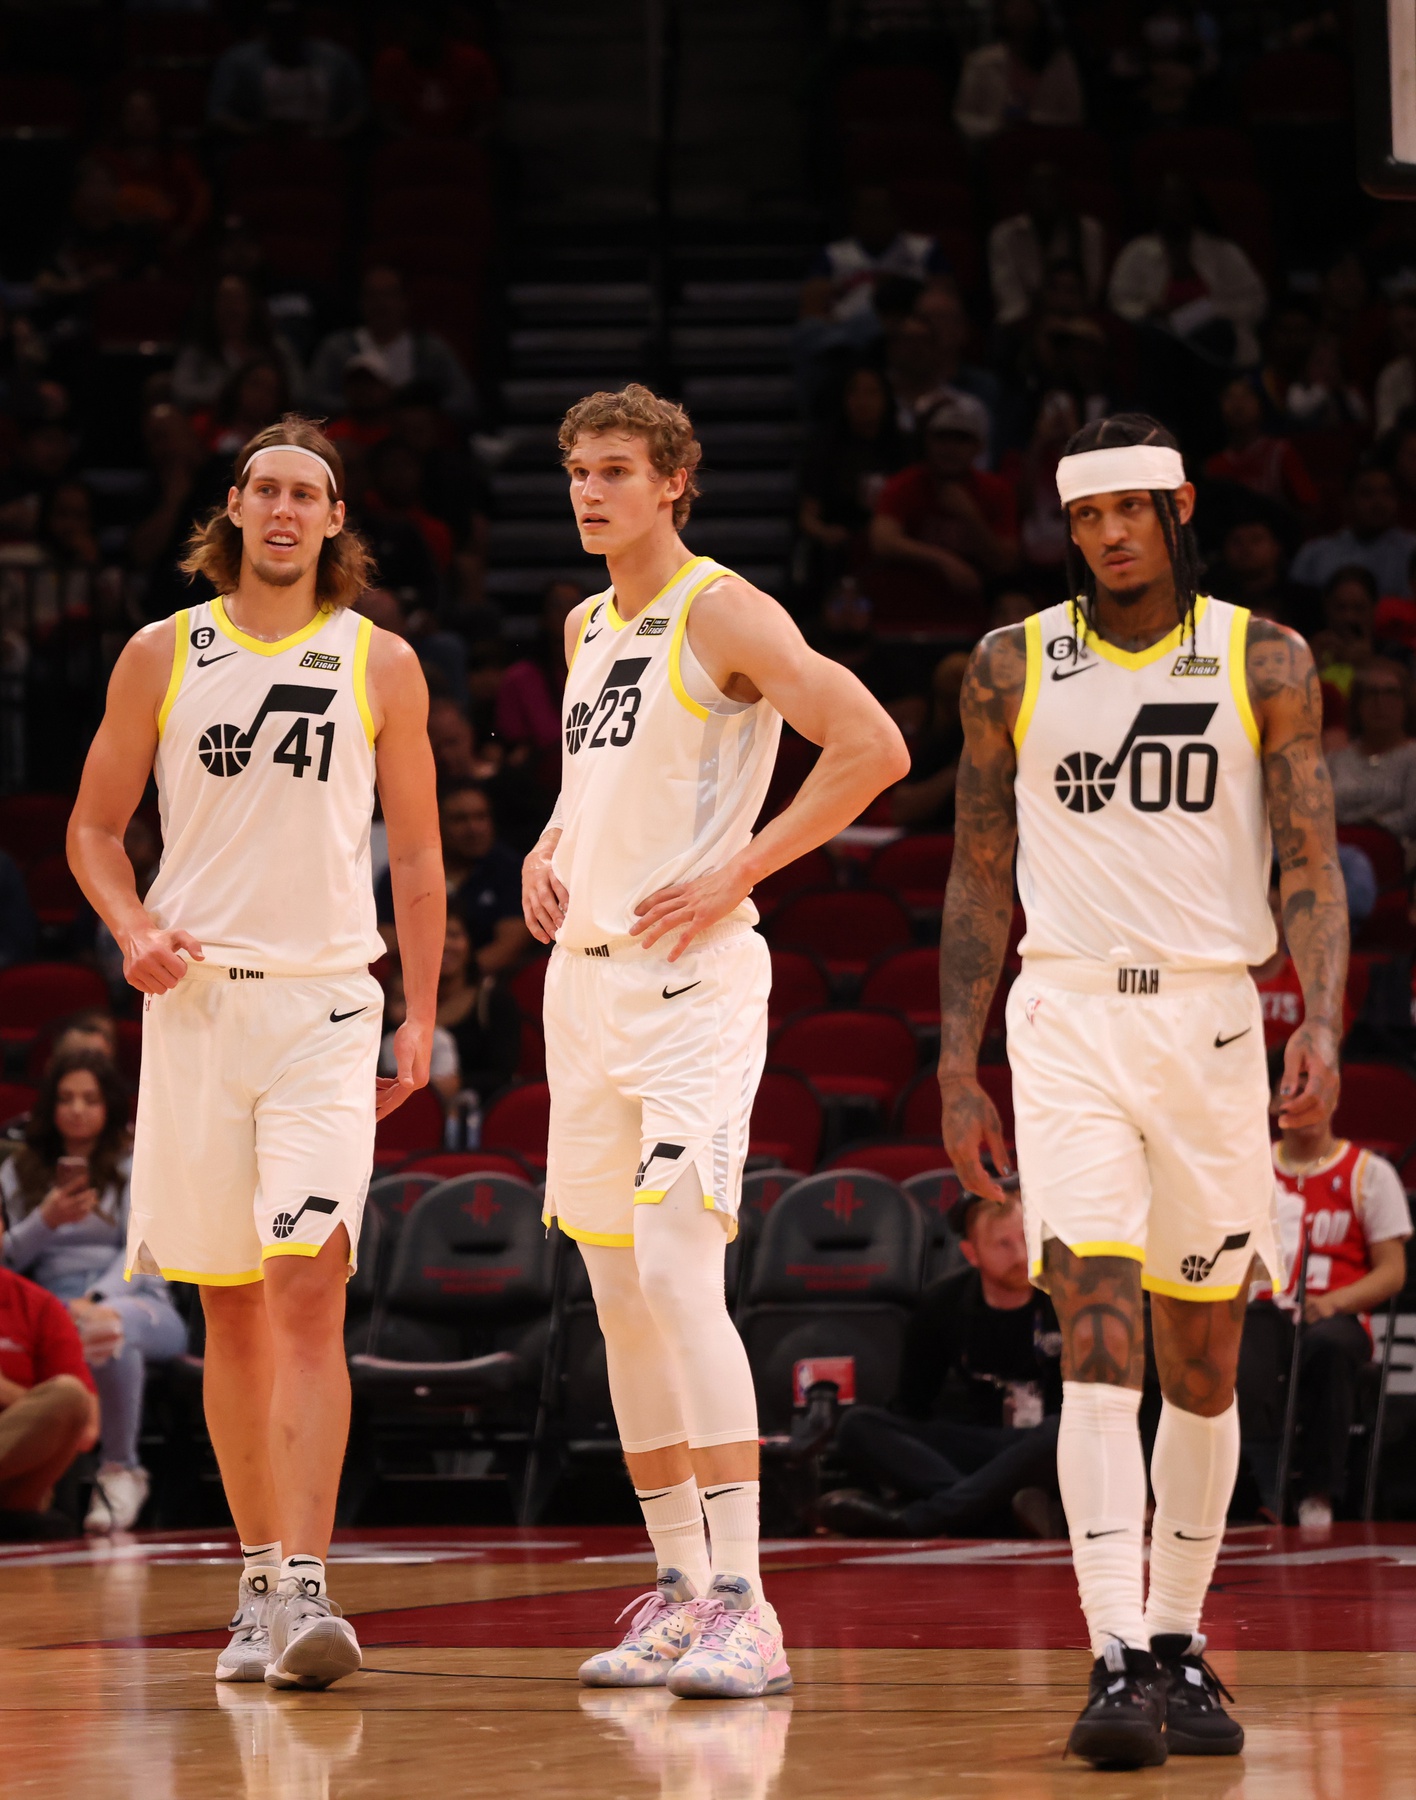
65,1195
479,1013
1374,774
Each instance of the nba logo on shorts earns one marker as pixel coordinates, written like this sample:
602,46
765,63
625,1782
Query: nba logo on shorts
1030,1009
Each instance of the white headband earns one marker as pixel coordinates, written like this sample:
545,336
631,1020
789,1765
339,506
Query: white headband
295,450
1118,470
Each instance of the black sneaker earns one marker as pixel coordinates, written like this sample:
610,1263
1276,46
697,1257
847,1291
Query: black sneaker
1195,1722
1123,1723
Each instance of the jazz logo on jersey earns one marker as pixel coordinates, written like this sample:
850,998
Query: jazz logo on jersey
610,720
226,749
1085,782
325,660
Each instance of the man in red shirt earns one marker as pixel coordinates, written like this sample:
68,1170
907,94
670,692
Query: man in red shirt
952,526
48,1407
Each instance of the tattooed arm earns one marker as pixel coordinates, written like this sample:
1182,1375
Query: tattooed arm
978,905
1283,688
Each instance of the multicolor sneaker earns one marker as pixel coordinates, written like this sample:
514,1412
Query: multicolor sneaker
312,1644
658,1635
737,1647
246,1656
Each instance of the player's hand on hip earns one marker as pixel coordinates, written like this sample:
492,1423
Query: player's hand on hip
685,910
1309,1088
413,1046
152,959
971,1125
543,896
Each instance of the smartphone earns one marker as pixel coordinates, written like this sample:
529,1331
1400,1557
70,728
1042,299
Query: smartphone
73,1171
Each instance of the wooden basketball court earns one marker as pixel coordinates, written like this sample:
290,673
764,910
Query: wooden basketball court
922,1671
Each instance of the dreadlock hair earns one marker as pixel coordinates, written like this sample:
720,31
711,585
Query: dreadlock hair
1186,563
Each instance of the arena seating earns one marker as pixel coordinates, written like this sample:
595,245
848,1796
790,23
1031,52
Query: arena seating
846,929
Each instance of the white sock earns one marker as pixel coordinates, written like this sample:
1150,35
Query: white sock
1193,1468
260,1563
308,1571
731,1508
673,1517
1102,1475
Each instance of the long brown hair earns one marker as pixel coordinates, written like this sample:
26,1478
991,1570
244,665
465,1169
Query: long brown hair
36,1163
346,568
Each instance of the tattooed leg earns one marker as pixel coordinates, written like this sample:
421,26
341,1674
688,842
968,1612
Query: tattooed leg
1197,1350
1098,1302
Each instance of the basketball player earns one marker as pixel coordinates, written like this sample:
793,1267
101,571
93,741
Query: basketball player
656,1002
266,716
1138,744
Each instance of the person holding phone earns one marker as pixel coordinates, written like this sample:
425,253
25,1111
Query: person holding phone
65,1195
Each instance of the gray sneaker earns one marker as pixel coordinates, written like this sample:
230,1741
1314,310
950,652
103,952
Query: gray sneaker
246,1656
312,1644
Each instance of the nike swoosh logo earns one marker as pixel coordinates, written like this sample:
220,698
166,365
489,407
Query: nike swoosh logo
335,1017
1220,1042
1186,1538
683,990
1067,674
205,662
590,636
1115,1531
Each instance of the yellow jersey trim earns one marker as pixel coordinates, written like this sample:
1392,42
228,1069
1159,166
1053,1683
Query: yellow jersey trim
361,677
201,1280
1239,675
1032,680
1183,1290
612,613
681,693
179,668
609,1240
1140,659
247,642
580,635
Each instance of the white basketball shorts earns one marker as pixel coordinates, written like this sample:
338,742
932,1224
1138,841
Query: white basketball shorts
255,1133
1141,1106
652,1067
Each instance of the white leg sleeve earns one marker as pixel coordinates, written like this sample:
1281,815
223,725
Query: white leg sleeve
1102,1474
640,1367
1193,1467
679,1247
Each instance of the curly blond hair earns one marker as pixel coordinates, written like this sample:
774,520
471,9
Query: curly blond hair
665,427
346,568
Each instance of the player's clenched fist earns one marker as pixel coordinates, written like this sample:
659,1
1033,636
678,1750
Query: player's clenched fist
152,959
543,896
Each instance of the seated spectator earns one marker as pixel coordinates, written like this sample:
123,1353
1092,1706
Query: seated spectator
48,1408
94,245
444,1073
161,191
947,521
93,1032
924,800
846,465
286,80
528,703
66,1203
841,287
19,929
1374,774
1371,538
942,309
366,417
1323,398
430,84
1253,570
395,491
1280,990
45,458
845,631
1344,1207
1050,229
518,807
393,347
1043,532
252,397
1396,384
454,488
1026,76
177,486
1255,459
973,1430
1397,451
479,1014
232,329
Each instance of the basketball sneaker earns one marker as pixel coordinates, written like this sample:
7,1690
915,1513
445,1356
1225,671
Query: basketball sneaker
1122,1724
658,1635
246,1656
312,1644
1196,1723
737,1649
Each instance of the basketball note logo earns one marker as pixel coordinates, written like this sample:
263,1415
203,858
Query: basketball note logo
222,750
1084,782
576,725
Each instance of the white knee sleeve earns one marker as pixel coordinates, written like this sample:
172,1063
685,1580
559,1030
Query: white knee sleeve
644,1393
679,1246
1102,1474
1193,1467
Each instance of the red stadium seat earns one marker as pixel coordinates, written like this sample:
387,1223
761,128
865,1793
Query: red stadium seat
916,868
16,1098
53,893
1388,927
898,1159
447,1165
33,825
531,1063
1378,1104
919,1113
798,982
520,1121
528,986
814,870
32,995
906,981
847,930
414,1126
796,758
850,1053
1382,849
786,1120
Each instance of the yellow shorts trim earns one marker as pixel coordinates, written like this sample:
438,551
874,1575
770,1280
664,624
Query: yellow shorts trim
200,1280
1184,1290
608,1240
291,1250
1135,1252
652,1197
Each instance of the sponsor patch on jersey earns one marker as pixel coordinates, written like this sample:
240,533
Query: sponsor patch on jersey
1196,665
203,637
652,628
320,659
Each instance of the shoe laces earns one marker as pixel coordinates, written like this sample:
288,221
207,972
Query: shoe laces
1209,1681
302,1605
714,1622
249,1620
651,1608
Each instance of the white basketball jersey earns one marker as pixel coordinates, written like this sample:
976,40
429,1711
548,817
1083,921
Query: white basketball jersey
662,775
265,776
1143,835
